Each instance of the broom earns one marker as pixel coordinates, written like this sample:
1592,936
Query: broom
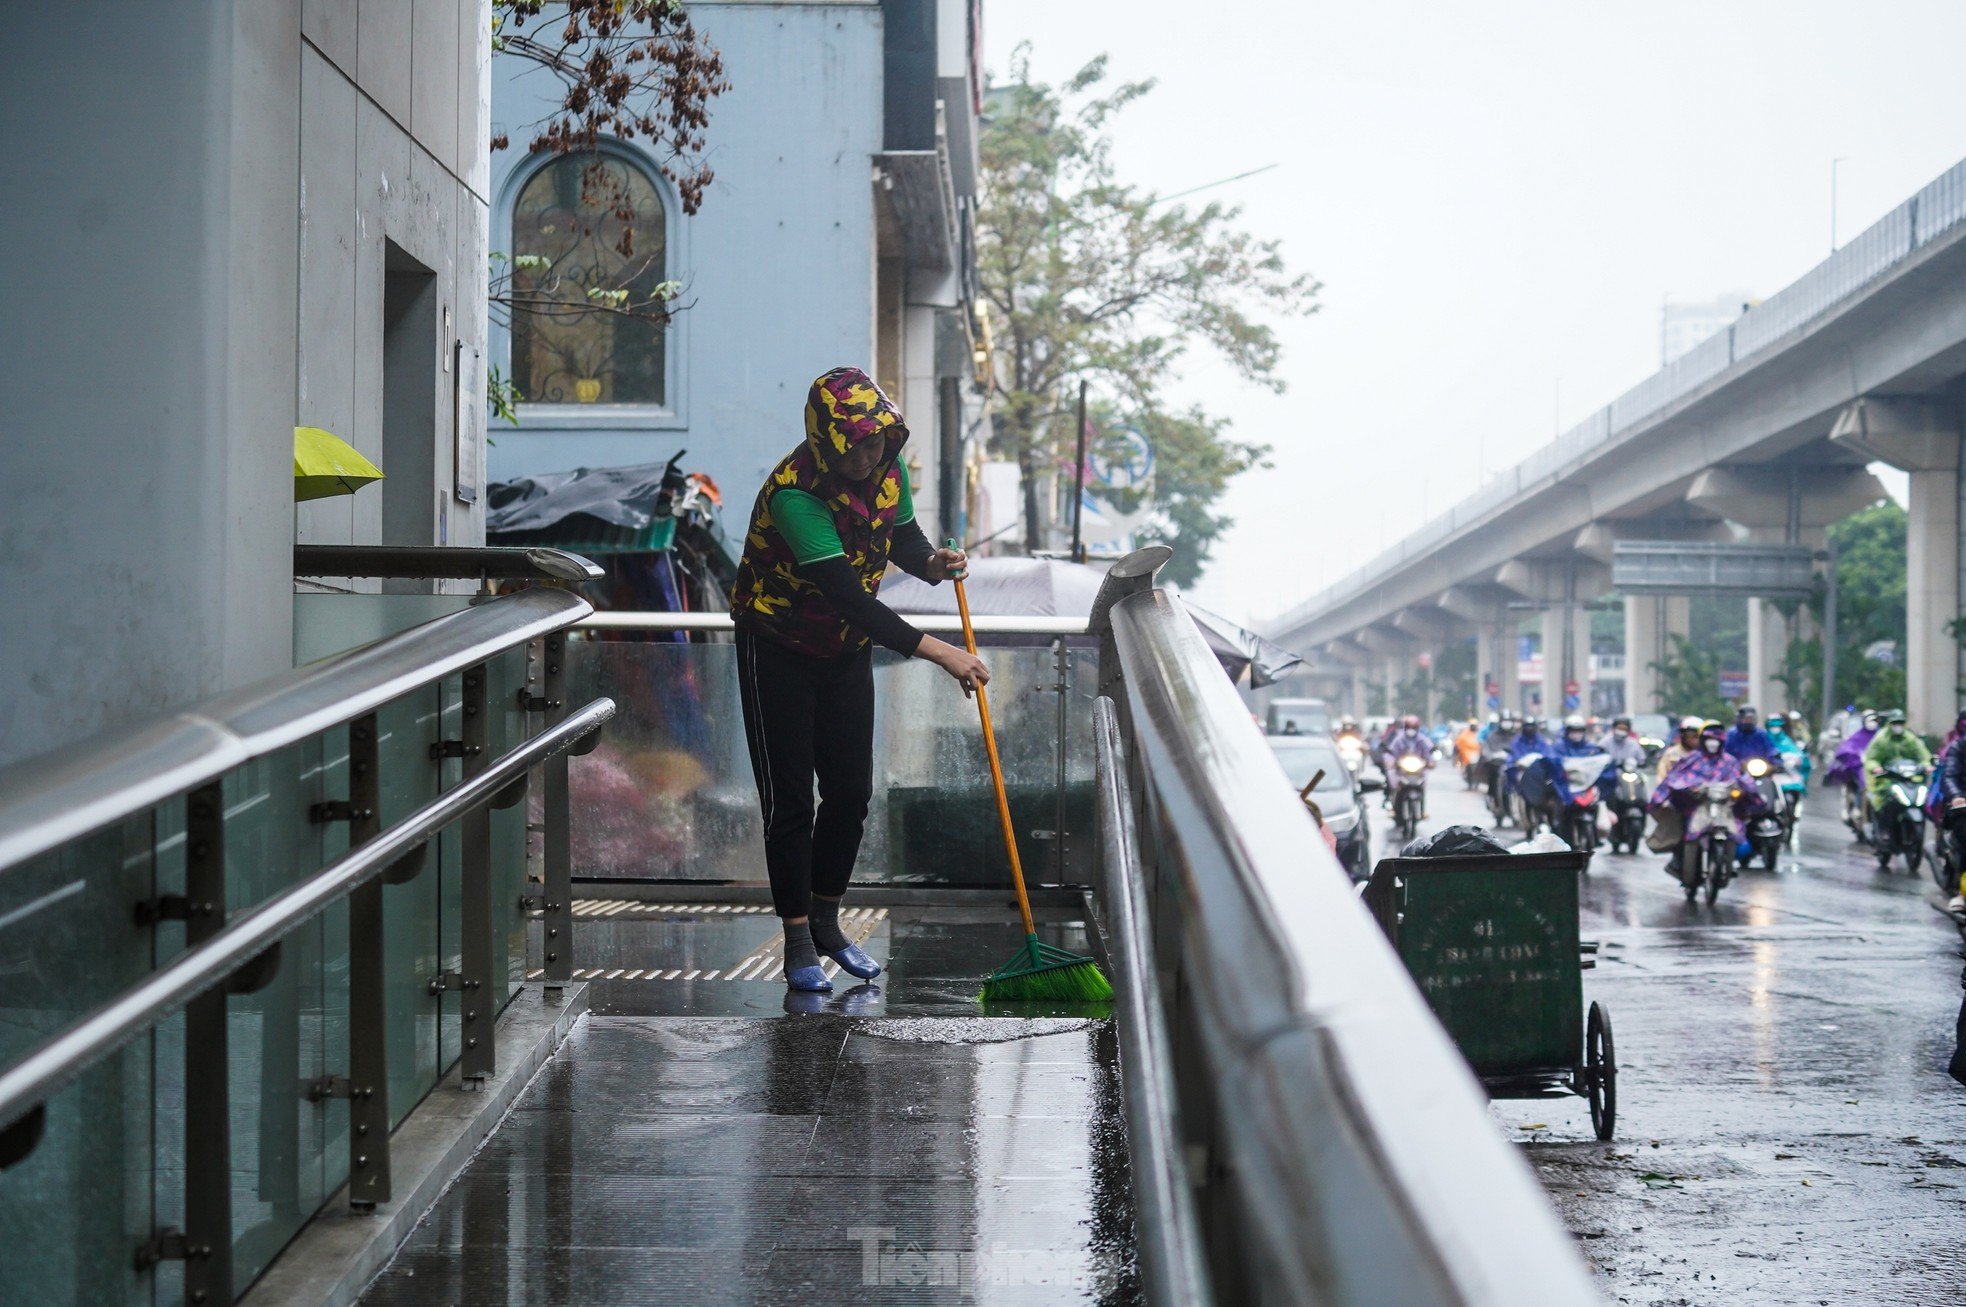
1037,972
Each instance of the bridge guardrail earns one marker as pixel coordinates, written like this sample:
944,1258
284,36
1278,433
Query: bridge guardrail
1342,1152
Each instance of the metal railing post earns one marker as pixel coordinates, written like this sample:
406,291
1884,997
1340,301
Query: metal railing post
556,921
207,1064
475,1005
368,1009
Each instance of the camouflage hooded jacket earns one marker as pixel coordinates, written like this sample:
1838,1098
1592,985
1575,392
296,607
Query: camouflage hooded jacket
844,409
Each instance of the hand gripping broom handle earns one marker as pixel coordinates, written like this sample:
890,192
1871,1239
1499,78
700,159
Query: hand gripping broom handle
996,772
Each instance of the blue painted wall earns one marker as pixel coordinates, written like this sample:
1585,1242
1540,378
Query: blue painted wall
778,264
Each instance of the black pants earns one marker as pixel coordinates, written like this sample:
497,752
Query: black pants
808,717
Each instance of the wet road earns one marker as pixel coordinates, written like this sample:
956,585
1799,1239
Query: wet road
1787,1131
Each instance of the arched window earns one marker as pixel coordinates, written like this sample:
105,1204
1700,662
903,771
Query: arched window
588,254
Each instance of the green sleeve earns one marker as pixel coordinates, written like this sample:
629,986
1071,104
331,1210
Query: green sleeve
904,512
807,525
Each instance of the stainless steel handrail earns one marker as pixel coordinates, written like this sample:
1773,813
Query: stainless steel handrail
48,801
455,562
1173,1264
934,622
41,1073
1362,1165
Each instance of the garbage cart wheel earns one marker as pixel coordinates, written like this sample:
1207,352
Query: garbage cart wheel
1601,1071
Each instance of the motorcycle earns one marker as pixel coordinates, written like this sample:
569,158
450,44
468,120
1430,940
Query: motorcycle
1899,825
1770,831
1577,826
1856,810
1628,801
1706,852
1495,772
1795,783
1948,859
1351,752
1409,794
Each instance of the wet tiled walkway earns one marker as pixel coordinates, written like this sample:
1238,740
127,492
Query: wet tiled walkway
892,1146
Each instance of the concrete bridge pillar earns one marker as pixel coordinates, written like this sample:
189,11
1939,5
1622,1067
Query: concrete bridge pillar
1921,437
1488,667
1650,623
1508,668
1566,658
1768,636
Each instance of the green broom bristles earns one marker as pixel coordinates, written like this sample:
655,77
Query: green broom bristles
1040,973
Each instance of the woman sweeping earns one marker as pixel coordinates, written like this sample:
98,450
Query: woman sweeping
827,522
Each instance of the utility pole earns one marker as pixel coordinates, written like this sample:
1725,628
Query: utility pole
1078,482
1829,639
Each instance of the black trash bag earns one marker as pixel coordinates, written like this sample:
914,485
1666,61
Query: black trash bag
1455,841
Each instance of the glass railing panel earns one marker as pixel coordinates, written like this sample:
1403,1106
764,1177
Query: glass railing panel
280,1138
73,1213
669,792
405,731
510,726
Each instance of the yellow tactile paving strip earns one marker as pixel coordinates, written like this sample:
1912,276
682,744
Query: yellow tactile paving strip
765,962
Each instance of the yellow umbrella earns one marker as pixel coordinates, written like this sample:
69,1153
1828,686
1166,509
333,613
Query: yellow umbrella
325,464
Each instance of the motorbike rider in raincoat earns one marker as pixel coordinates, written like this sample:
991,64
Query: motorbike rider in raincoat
1709,764
1407,739
1748,740
1949,793
1847,768
1623,746
1892,744
1683,746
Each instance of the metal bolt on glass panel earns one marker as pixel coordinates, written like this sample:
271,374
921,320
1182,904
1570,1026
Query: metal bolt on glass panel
368,1045
475,998
556,918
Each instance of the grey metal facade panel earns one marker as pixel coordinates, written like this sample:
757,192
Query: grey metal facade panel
384,33
434,68
474,96
325,386
331,26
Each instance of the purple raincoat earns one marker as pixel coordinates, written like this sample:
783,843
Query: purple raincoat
1848,768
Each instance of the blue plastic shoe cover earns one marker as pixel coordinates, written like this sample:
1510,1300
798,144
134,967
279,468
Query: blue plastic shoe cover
808,980
855,962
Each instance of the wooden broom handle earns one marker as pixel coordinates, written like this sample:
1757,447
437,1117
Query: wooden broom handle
996,772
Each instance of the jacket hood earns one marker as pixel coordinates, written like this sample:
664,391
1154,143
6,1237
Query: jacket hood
845,409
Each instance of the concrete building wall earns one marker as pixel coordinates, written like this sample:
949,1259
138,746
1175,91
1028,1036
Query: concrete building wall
777,265
161,344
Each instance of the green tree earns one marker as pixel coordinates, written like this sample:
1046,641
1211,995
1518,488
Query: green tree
1089,278
1870,609
1689,680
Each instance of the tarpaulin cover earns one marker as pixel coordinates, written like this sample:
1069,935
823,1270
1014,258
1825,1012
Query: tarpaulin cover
595,510
1051,587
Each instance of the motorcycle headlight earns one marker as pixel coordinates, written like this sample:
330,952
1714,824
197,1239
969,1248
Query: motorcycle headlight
1349,747
1411,764
1757,767
1629,778
1898,793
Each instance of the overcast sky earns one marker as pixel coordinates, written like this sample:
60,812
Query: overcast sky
1497,199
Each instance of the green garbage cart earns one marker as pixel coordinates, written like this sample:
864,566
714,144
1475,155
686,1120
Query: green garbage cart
1492,941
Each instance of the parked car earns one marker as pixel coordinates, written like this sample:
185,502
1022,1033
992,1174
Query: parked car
1336,795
